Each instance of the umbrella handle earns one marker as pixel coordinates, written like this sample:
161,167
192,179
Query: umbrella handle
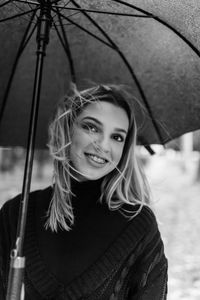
15,281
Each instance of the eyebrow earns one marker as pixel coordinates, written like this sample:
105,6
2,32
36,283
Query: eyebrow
99,123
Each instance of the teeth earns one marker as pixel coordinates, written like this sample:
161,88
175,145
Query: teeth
97,159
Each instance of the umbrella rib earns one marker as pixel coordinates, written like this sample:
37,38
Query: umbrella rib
133,6
104,12
56,1
162,22
5,3
179,34
29,37
64,6
19,15
68,53
115,47
18,7
84,29
66,47
19,53
76,13
27,2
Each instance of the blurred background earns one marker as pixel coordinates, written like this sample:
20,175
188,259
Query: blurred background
174,176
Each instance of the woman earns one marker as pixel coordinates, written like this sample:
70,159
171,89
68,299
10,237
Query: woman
92,234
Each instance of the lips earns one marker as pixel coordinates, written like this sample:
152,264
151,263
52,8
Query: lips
96,158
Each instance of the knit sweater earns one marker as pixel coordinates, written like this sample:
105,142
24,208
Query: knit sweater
104,256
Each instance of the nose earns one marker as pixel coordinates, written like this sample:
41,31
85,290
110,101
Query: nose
102,144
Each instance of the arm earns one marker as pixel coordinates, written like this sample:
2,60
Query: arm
152,274
2,258
154,283
8,225
2,286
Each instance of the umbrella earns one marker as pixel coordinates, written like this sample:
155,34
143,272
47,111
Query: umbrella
151,46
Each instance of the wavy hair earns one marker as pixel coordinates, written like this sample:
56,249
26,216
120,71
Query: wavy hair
124,187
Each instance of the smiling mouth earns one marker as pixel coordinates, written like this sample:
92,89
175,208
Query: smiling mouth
96,158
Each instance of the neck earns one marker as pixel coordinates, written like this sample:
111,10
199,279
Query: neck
86,187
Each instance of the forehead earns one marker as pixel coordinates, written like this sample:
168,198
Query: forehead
107,113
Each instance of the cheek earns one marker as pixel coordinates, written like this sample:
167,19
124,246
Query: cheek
79,141
118,152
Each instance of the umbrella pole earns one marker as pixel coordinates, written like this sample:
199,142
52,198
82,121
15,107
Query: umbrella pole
17,259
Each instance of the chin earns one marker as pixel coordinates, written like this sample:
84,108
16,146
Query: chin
92,177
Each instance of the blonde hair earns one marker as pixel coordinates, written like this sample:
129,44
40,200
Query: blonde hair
126,184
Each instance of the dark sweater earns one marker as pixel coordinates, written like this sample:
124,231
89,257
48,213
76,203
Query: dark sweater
104,256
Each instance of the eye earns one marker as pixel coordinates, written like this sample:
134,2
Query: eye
90,127
118,138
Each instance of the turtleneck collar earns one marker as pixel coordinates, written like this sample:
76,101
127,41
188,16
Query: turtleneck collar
86,193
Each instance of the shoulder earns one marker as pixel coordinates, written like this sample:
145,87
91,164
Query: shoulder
139,227
131,223
142,217
142,230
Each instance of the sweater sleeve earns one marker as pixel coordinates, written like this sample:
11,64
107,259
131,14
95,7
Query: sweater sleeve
150,271
3,258
153,285
2,284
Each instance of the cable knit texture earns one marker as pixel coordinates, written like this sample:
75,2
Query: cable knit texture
104,257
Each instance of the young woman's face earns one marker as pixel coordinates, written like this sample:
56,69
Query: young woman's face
98,137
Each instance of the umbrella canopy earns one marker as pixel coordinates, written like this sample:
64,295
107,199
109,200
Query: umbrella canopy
152,46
